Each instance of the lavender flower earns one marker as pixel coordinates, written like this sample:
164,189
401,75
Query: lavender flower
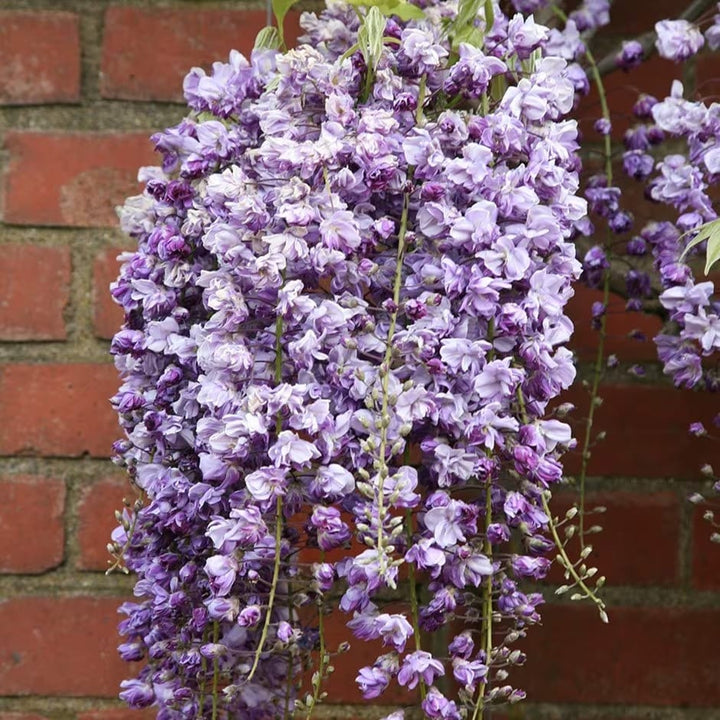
677,39
347,302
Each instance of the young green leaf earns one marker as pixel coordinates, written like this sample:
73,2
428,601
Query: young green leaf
370,37
269,38
467,13
403,9
280,10
711,232
713,250
489,15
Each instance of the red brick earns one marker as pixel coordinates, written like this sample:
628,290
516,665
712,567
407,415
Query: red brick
71,178
645,656
619,325
57,410
648,524
96,520
36,289
31,523
107,315
647,431
705,553
19,716
60,646
148,51
629,18
707,78
40,57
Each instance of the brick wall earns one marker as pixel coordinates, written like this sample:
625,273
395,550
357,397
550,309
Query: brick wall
82,85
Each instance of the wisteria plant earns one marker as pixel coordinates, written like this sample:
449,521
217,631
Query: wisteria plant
345,339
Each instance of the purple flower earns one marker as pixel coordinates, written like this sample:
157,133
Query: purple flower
249,616
630,55
469,672
221,571
444,524
436,705
417,666
677,39
290,450
525,566
372,682
332,532
136,693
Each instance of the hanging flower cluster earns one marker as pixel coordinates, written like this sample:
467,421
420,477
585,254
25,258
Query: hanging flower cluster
345,324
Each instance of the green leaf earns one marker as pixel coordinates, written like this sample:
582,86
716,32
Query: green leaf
370,37
463,28
711,232
280,10
469,34
467,14
489,15
713,251
403,9
268,37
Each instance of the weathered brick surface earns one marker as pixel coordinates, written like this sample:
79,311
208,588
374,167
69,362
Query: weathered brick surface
639,541
96,520
64,168
647,431
705,552
574,658
32,532
136,67
36,290
61,646
57,410
628,335
39,56
67,178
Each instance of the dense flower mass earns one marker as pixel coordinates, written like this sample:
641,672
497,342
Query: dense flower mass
345,332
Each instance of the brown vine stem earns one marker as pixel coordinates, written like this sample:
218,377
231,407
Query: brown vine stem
693,12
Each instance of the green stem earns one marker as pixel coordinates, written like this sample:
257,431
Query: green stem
414,610
385,370
420,101
322,665
564,559
567,565
216,672
596,378
273,587
487,621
